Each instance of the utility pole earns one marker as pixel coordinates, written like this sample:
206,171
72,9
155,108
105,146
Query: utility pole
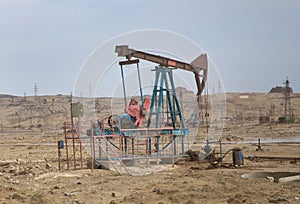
287,99
35,89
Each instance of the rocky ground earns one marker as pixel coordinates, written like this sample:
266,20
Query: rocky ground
29,168
29,174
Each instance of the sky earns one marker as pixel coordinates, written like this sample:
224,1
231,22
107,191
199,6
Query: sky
254,44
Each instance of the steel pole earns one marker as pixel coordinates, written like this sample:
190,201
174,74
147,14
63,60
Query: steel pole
124,89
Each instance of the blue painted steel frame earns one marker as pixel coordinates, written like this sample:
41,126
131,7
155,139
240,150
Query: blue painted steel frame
140,84
165,75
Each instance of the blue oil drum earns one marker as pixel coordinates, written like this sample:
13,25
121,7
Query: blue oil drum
60,144
237,157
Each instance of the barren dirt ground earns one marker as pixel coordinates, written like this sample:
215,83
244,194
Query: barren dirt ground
29,172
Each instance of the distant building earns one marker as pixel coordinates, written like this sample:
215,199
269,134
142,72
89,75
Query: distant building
281,89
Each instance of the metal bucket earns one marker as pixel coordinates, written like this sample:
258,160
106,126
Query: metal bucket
237,157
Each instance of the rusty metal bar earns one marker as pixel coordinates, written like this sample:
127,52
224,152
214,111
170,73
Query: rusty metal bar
197,65
66,141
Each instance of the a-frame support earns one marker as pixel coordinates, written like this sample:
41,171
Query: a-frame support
164,104
165,107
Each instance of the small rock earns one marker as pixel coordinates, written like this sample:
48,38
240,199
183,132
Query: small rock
48,166
12,169
154,189
157,191
270,178
68,194
17,197
37,167
14,182
57,187
7,177
76,201
113,194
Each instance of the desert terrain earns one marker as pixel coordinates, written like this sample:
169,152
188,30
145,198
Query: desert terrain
30,128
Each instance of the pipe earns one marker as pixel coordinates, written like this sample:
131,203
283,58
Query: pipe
140,84
124,89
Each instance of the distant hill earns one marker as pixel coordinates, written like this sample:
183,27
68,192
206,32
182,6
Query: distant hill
47,113
5,96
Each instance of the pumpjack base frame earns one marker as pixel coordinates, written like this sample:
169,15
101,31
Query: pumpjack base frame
142,149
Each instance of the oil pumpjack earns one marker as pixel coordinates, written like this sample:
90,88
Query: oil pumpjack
164,82
165,132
